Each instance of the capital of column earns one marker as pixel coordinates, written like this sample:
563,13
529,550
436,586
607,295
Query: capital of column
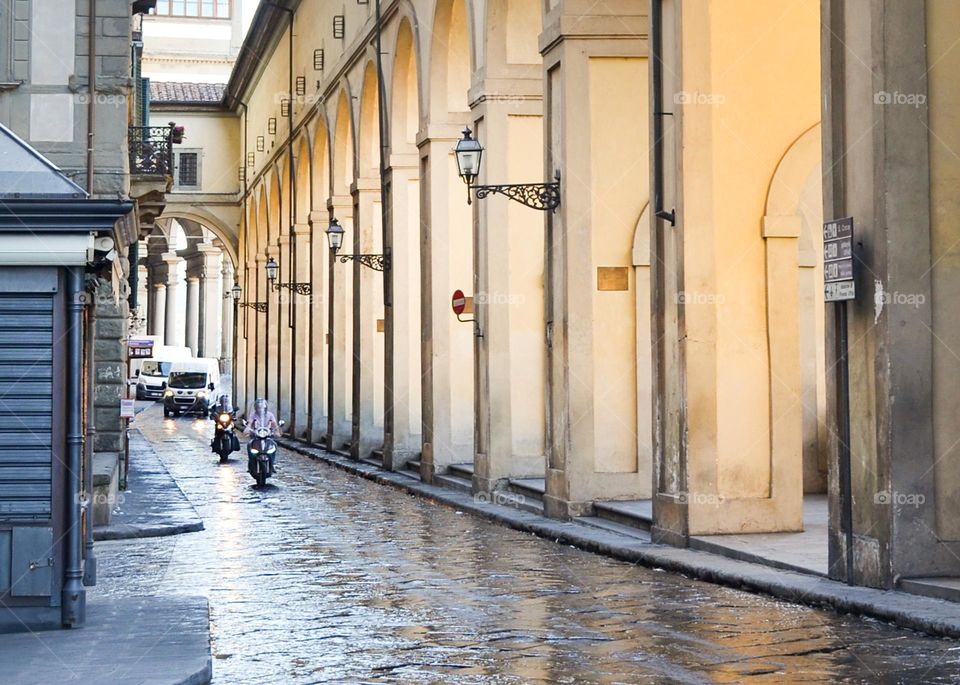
302,229
172,261
365,184
341,206
322,218
283,240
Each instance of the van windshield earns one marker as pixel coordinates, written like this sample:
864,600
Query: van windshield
155,368
190,380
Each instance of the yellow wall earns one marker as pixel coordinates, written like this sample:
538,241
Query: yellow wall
943,17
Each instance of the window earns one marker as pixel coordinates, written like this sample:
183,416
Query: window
187,170
207,9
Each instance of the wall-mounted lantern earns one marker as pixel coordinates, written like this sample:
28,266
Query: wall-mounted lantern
542,196
377,262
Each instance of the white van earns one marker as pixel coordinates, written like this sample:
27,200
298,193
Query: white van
193,385
152,375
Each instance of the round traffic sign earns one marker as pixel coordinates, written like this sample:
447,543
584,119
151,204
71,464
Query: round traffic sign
459,302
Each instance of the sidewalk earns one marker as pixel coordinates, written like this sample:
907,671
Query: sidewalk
138,640
153,504
933,616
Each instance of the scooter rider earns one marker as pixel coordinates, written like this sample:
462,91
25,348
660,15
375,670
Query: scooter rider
259,417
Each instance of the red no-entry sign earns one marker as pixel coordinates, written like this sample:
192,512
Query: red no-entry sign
459,302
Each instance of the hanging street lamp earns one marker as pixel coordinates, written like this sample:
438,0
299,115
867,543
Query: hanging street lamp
377,262
542,196
235,292
273,271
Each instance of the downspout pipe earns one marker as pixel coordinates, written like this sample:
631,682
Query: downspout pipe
236,274
656,49
89,557
92,79
73,596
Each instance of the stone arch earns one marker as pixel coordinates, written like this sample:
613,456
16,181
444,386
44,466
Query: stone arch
304,163
451,57
794,211
213,224
644,352
320,166
405,92
343,166
368,138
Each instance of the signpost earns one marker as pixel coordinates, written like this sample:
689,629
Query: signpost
838,261
461,303
139,349
839,288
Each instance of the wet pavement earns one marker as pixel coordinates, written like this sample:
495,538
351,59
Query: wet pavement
325,577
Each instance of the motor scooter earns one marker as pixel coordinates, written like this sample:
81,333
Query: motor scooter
262,454
225,441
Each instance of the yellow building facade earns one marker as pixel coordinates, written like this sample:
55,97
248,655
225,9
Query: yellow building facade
661,337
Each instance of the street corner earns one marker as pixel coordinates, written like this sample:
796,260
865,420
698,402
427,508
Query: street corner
157,640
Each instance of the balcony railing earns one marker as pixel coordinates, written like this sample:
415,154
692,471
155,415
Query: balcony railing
151,150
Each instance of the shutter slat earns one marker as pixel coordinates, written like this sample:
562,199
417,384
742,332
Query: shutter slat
26,406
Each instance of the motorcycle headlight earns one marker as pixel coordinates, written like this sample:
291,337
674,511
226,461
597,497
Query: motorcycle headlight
253,450
271,450
168,393
224,418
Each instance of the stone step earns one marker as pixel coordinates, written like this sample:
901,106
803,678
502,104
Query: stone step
633,513
461,471
531,488
451,482
413,465
942,588
614,527
513,499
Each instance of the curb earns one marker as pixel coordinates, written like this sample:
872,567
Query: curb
126,531
933,616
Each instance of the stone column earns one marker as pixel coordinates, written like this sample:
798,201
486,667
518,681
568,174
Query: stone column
171,329
158,314
899,185
339,427
319,347
508,302
193,315
447,261
597,88
300,373
211,296
227,320
402,363
282,329
367,399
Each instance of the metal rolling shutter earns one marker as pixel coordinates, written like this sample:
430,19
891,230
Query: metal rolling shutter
26,406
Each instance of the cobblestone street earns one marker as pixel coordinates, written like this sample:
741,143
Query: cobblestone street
324,577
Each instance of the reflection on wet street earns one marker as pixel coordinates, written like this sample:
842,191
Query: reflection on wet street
325,577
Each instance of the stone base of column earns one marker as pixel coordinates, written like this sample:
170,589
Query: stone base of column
395,459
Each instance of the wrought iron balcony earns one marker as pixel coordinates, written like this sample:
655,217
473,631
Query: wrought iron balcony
151,150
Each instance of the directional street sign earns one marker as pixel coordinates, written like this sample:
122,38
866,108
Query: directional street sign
838,260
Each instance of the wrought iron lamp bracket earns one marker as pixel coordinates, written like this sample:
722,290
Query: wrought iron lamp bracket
258,306
299,288
377,262
541,196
